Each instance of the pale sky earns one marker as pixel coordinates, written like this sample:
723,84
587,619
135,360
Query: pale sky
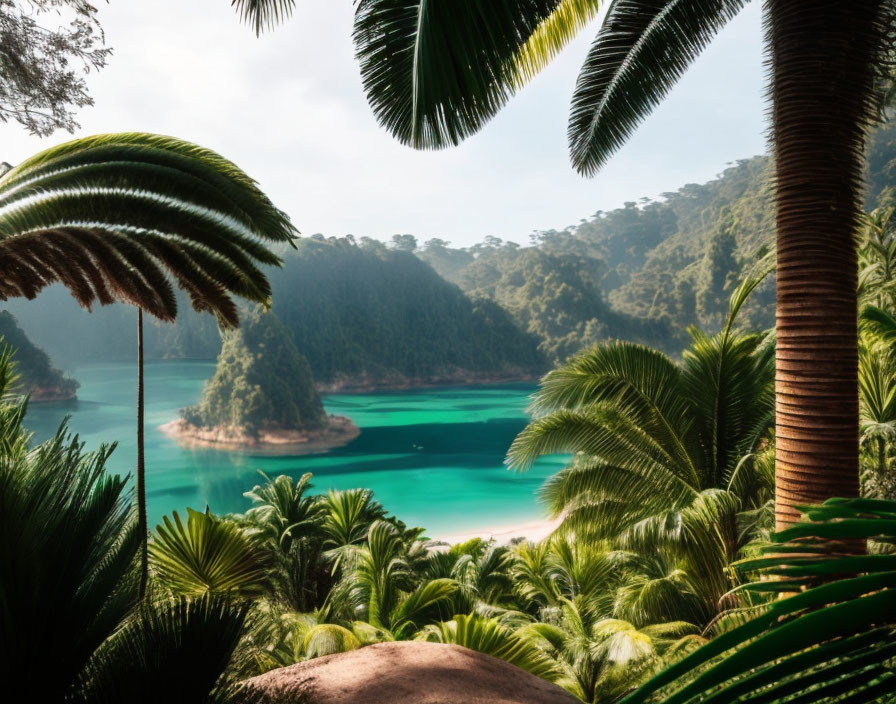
289,109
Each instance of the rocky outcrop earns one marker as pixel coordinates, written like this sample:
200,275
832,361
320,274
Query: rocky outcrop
411,672
337,431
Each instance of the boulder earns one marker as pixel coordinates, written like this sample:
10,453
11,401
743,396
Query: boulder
405,672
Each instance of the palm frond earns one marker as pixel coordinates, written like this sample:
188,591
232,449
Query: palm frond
835,640
640,52
427,603
880,322
436,72
263,14
118,217
562,26
207,555
490,637
328,639
68,543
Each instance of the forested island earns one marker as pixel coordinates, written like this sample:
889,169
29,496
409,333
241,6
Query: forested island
38,378
262,395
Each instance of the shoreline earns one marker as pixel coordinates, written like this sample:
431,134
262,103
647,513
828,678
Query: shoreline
363,385
339,431
530,530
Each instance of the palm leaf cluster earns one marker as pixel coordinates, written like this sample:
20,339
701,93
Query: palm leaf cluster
670,460
833,641
436,72
877,355
114,217
263,14
339,574
68,549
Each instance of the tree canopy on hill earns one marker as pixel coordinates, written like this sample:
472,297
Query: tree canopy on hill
38,377
262,381
363,310
554,296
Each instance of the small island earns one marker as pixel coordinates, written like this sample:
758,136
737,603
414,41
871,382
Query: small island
261,396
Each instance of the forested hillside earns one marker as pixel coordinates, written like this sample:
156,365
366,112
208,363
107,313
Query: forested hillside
556,297
645,271
37,376
364,314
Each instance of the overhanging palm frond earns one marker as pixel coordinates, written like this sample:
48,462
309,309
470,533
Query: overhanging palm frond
263,14
113,216
833,641
552,35
435,72
642,49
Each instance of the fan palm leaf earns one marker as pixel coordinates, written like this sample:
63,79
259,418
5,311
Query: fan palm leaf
206,555
113,216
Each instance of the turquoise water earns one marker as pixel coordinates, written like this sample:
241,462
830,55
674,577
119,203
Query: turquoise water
433,457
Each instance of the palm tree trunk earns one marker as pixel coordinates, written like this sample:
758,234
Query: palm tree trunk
822,58
141,465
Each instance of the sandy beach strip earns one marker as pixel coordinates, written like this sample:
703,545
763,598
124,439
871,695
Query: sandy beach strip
530,530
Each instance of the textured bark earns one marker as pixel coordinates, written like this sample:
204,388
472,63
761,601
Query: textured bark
823,54
141,465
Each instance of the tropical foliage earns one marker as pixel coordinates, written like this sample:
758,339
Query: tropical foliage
668,459
68,550
155,207
833,641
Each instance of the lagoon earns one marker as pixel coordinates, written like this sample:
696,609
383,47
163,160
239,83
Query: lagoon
433,457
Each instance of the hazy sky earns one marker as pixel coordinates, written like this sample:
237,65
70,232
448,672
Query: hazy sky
289,109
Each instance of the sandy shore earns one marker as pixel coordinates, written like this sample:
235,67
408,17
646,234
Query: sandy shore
532,530
338,431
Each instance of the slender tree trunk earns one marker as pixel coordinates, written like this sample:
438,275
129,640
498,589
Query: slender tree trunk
141,465
822,60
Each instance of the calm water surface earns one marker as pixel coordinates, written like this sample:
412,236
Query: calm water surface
433,457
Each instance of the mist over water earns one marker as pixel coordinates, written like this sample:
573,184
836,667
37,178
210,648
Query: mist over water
433,457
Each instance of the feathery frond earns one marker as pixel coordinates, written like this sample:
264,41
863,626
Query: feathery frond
262,15
435,72
640,52
118,217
